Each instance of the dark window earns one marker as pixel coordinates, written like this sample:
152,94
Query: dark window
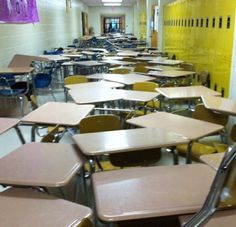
228,22
202,22
213,22
197,21
207,22
220,22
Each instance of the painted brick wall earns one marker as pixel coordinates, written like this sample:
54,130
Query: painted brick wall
57,27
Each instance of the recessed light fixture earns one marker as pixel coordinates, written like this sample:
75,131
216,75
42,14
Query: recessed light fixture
112,1
112,4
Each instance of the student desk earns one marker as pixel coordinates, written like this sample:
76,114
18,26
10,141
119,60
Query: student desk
188,92
223,105
222,218
97,95
16,70
128,54
8,123
27,207
171,73
163,68
146,192
128,79
54,57
150,58
40,164
167,62
95,85
57,113
213,160
192,129
102,143
117,62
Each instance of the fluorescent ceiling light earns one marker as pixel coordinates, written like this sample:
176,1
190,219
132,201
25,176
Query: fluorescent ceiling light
112,4
111,1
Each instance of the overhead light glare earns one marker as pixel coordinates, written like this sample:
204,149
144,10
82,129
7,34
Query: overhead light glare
112,4
112,1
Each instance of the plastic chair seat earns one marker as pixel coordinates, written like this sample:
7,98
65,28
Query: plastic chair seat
198,149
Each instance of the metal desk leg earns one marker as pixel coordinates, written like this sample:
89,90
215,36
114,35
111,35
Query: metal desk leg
20,135
189,153
33,133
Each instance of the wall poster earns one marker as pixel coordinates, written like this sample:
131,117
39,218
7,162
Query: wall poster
18,11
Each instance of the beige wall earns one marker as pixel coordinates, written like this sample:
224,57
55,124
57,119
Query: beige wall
56,28
94,17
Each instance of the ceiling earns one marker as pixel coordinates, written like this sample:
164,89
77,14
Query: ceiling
99,2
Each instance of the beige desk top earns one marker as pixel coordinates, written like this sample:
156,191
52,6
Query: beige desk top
27,207
128,54
190,128
166,62
40,164
117,62
128,79
89,63
150,58
186,92
95,85
98,95
163,68
17,70
72,55
145,192
129,140
68,114
213,160
137,96
224,218
54,57
171,73
7,123
113,58
219,104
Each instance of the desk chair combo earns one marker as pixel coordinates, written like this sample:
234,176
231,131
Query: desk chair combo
198,149
100,123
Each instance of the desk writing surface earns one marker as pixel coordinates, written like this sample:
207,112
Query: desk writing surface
221,218
27,207
163,68
40,164
145,192
190,128
223,105
171,73
16,70
128,54
126,140
55,57
7,123
167,62
186,92
128,79
68,114
98,95
95,85
89,63
117,62
137,96
213,160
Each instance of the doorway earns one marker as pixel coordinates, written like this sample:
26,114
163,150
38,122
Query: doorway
112,24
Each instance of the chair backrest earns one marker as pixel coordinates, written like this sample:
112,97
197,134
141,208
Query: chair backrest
42,80
145,86
202,113
52,136
222,194
204,78
85,223
75,79
121,71
14,106
141,69
187,67
99,123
